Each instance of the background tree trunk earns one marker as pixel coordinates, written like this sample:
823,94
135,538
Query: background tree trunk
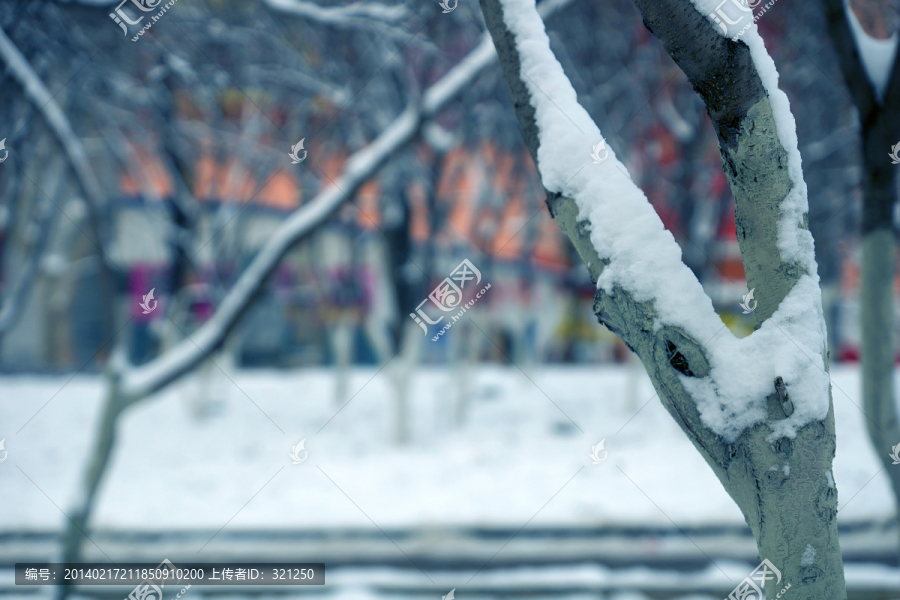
880,130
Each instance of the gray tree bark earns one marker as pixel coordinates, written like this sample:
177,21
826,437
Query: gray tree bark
880,130
787,514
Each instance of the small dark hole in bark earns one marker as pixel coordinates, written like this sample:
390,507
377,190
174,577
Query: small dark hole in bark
784,446
677,360
810,574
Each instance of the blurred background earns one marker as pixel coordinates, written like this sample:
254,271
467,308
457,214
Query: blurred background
469,461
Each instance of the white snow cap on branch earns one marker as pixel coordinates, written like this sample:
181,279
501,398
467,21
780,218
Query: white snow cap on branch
645,260
796,244
342,15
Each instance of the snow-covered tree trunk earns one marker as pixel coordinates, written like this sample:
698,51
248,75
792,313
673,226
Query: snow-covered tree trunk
876,95
758,409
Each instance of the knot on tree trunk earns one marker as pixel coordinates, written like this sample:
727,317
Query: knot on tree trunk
683,354
677,359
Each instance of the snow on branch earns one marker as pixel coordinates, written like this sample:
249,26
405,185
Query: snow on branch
640,255
18,291
138,382
731,70
183,357
351,14
645,292
341,16
44,102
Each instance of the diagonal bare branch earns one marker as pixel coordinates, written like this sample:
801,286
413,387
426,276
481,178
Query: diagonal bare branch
38,93
138,382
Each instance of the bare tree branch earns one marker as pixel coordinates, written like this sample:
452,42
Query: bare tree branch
138,382
45,103
351,15
40,96
131,384
42,222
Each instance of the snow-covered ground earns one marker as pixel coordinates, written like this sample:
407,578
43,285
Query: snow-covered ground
519,458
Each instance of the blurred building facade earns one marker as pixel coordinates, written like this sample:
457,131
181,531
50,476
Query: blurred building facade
475,201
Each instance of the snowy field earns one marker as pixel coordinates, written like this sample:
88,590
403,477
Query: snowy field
182,462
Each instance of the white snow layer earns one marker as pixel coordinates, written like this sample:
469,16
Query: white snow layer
645,259
809,556
877,55
174,470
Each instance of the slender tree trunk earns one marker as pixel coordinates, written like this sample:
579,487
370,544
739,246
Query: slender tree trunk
341,335
880,130
633,372
104,442
879,267
401,375
879,249
461,344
